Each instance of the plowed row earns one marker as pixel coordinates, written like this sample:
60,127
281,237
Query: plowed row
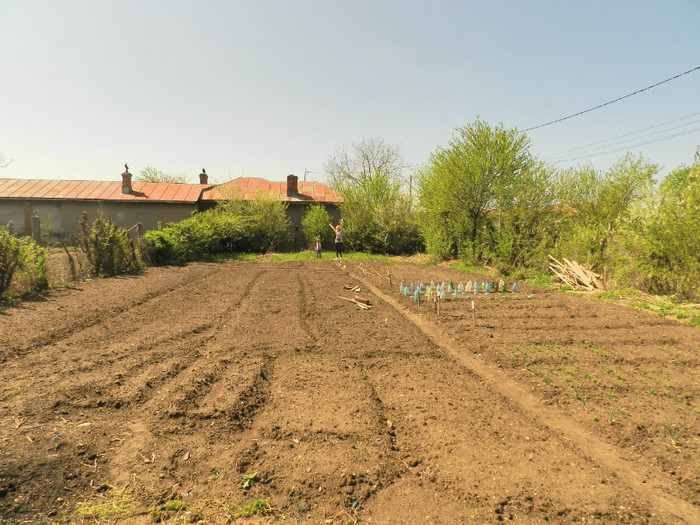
181,383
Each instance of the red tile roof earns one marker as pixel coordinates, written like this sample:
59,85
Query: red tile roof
247,188
243,188
97,190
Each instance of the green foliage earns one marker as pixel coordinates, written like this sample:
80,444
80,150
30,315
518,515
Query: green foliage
248,480
595,208
661,249
34,268
266,223
200,237
107,247
378,217
315,223
166,511
256,507
10,258
114,503
485,197
235,226
22,257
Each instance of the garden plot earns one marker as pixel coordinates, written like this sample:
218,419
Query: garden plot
224,390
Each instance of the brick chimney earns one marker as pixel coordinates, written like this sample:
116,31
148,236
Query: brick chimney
203,177
126,180
292,186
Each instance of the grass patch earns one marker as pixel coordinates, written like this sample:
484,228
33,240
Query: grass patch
113,503
309,256
258,507
668,307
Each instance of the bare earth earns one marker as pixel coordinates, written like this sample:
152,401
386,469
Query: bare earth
133,393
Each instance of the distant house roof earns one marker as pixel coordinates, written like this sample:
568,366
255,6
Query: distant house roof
88,190
247,188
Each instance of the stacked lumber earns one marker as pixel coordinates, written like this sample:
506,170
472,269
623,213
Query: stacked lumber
572,274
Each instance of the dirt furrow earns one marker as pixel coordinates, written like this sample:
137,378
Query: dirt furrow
236,382
590,448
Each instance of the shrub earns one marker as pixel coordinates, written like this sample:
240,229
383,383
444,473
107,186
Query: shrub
378,217
315,224
266,225
107,247
23,257
199,237
10,258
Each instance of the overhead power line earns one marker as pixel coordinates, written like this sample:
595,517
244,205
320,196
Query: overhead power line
584,156
612,101
614,141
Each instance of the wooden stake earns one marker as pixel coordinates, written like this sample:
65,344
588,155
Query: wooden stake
473,313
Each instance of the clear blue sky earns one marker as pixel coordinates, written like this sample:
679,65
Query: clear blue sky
266,88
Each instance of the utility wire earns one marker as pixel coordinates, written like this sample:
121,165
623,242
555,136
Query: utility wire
628,147
608,143
620,136
612,101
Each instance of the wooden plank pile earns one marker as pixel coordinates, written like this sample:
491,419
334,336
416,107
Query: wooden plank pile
572,274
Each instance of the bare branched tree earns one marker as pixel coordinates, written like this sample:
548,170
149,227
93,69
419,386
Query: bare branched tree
151,174
351,165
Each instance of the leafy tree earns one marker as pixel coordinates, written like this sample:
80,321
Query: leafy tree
267,224
378,216
350,166
150,174
600,204
315,224
483,170
520,232
661,245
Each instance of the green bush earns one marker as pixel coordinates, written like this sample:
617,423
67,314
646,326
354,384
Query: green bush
199,237
22,257
236,226
107,247
659,250
378,217
315,224
267,226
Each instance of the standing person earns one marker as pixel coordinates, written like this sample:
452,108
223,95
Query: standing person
318,247
338,239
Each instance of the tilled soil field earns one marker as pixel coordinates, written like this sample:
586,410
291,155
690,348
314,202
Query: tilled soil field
219,390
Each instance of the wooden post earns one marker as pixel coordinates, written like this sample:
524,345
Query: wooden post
473,313
36,229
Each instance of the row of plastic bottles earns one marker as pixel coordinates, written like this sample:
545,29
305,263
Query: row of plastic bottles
441,289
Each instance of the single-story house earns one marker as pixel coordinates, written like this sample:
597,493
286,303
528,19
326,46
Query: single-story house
60,203
298,195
